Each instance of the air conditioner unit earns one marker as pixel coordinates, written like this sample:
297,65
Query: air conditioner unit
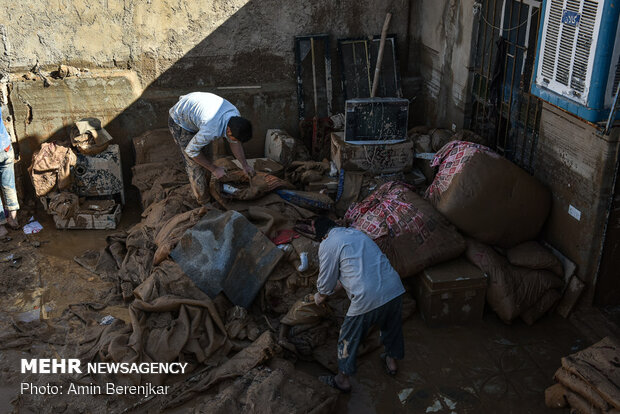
578,56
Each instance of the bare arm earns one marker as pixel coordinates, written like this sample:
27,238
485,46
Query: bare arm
320,298
237,150
202,160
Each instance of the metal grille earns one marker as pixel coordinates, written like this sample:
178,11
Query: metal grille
553,33
583,46
616,79
503,110
566,48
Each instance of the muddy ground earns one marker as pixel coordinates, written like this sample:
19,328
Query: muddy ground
486,366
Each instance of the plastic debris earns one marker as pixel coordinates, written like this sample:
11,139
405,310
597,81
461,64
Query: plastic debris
6,258
404,394
303,266
107,320
229,189
32,227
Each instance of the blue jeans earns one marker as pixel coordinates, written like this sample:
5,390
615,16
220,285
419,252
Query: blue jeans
354,329
7,182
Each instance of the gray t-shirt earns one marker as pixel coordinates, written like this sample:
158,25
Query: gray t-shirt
365,273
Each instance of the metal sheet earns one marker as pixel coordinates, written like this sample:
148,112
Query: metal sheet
224,252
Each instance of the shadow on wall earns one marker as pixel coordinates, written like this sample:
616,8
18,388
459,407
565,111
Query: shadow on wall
248,59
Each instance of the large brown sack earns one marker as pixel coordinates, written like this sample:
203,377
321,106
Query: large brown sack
511,290
582,388
542,306
534,255
409,231
555,396
305,311
409,254
494,201
598,366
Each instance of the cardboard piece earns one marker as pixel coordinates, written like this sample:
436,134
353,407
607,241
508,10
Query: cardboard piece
377,158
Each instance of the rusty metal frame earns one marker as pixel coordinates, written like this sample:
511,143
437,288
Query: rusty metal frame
512,130
310,41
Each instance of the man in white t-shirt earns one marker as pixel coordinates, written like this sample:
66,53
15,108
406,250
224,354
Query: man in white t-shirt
198,119
350,260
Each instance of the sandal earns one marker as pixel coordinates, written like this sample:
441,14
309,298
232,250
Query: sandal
391,372
331,381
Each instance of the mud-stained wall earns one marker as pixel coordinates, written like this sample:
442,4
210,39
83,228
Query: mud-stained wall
443,36
165,48
577,163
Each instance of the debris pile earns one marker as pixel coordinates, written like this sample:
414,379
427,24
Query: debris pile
589,380
227,287
79,181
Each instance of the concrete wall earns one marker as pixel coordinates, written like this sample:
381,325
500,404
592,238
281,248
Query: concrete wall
577,163
143,54
443,37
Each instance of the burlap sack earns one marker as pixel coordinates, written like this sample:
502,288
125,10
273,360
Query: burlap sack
305,311
534,255
511,289
411,233
491,199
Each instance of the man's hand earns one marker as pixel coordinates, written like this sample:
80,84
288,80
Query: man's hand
319,298
249,170
219,172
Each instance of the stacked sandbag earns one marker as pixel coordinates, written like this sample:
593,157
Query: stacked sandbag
486,196
525,283
406,228
589,380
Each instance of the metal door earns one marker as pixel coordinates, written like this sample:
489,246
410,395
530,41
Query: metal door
503,110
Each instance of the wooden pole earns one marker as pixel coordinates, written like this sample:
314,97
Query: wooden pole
316,99
375,82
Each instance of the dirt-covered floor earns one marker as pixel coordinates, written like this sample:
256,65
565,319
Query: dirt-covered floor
485,366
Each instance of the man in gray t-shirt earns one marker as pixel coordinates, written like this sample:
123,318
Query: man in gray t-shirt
350,260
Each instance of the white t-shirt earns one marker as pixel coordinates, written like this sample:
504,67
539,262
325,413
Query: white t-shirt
205,114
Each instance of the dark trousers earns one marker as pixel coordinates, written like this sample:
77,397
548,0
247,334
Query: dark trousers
355,328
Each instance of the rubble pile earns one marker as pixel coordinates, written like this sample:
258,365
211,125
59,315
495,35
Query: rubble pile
79,180
226,287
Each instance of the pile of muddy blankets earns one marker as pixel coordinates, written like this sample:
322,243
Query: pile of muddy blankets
236,276
588,381
79,181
